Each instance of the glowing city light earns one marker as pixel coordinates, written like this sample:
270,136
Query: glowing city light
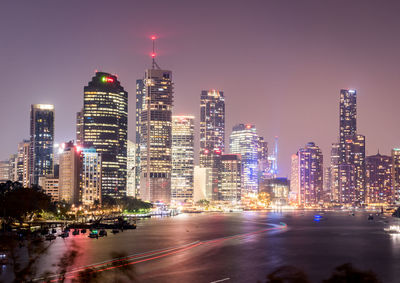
107,80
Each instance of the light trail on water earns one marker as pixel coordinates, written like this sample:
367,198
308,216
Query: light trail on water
156,254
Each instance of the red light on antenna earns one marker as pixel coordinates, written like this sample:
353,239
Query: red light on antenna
153,55
153,37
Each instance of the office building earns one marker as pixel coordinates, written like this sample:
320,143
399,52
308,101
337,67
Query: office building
4,171
156,136
231,178
79,127
69,174
140,104
202,183
212,134
90,178
182,158
131,170
105,121
41,141
278,190
49,185
244,141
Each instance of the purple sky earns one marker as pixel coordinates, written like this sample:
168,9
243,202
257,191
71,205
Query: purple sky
280,64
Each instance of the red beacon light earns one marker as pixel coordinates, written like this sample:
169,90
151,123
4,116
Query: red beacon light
153,37
153,55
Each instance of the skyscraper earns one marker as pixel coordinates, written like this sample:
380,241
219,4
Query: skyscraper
379,179
355,155
105,121
262,156
140,103
182,158
23,163
244,141
310,175
396,173
131,170
79,127
334,173
348,119
212,134
231,181
156,136
41,141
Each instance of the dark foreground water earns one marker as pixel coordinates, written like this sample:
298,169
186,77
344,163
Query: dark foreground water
238,247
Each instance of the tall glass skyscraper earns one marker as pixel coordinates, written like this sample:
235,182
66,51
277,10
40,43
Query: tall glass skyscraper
105,122
182,158
348,119
310,175
212,134
41,141
154,108
244,141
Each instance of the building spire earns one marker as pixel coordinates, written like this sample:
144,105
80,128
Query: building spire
153,54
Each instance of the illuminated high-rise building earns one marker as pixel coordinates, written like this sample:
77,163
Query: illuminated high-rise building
131,170
244,141
379,179
156,136
22,174
212,134
334,173
79,127
182,158
262,156
349,171
396,173
355,156
310,175
69,173
294,175
348,120
231,178
140,102
41,141
4,171
105,121
90,176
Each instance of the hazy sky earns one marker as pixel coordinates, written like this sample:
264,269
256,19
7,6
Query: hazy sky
281,64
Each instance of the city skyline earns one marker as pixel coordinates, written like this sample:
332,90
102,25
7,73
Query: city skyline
314,92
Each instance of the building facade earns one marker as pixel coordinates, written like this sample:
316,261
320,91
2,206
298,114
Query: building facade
105,122
244,141
310,175
131,170
396,173
90,177
182,175
231,178
41,142
156,136
202,183
212,134
379,180
69,174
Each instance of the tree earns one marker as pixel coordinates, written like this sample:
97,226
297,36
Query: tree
22,204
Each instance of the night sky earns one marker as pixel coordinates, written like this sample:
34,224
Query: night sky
281,64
